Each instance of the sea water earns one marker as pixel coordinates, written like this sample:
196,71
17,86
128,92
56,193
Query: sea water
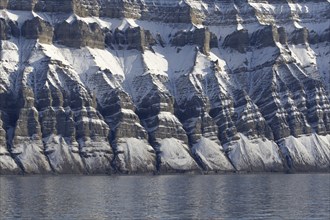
230,196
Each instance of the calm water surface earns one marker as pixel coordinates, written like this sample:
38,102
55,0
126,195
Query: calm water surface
254,196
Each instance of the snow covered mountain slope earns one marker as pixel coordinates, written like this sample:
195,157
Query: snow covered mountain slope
105,86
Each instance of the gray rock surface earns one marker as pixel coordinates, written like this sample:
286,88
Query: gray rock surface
38,29
130,38
238,40
79,34
8,29
202,37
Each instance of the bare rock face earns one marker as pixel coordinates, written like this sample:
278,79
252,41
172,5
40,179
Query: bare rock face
119,9
27,5
282,37
299,36
58,131
39,5
265,37
169,12
129,140
38,29
154,86
248,118
173,12
3,4
86,8
7,163
8,29
192,110
238,40
203,38
64,6
244,133
79,34
130,38
27,146
90,132
166,134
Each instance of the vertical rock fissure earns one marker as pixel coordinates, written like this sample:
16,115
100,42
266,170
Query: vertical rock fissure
9,142
48,159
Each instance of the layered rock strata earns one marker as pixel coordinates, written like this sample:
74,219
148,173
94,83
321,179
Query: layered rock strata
164,86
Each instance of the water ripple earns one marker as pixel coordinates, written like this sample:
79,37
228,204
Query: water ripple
261,196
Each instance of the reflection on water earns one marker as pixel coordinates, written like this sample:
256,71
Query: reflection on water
257,196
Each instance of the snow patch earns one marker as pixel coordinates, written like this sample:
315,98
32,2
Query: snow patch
254,155
137,155
175,156
211,154
307,151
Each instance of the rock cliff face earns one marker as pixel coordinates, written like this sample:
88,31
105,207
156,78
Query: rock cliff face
108,86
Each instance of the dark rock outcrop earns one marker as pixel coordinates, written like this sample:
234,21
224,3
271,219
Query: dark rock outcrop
8,28
202,37
86,8
79,34
130,38
38,29
265,37
192,109
64,6
282,37
238,40
299,36
26,5
7,163
169,12
166,134
26,145
132,152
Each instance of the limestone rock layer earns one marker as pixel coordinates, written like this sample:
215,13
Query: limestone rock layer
154,86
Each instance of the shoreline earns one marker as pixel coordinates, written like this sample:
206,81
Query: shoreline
172,173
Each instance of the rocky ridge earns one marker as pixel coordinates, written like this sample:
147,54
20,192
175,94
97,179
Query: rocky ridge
105,86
